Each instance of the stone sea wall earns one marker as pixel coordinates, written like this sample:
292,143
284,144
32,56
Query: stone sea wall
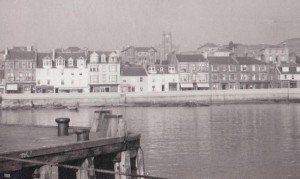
175,98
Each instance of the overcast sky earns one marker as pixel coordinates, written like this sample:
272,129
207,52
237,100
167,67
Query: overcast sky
112,24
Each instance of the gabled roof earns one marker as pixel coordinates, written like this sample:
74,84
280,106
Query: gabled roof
133,71
190,58
248,61
140,49
40,57
21,55
221,60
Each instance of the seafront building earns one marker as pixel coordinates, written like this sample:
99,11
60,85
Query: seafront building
289,75
275,54
142,56
104,72
223,73
162,78
193,71
133,79
19,66
254,74
62,72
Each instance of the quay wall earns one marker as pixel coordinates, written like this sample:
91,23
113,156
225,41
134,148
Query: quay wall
119,99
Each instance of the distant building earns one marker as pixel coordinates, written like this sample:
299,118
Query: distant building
2,79
20,65
142,56
289,75
222,53
193,72
62,72
224,73
133,79
162,78
254,74
275,54
208,49
166,46
104,71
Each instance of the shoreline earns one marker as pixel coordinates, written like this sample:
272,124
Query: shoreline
147,104
154,99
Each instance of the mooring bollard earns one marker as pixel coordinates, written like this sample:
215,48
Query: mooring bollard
63,126
82,134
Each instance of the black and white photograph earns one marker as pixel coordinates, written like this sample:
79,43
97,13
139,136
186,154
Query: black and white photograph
149,89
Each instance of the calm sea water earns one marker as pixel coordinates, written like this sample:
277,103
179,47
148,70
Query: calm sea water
227,141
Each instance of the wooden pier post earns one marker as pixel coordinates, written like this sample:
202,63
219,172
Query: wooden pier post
98,120
139,163
46,172
115,126
83,135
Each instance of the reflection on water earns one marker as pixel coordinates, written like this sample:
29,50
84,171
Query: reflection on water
231,141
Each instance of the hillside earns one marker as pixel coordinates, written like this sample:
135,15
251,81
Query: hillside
293,45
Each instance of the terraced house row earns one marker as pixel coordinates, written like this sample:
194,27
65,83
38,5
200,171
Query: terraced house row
73,70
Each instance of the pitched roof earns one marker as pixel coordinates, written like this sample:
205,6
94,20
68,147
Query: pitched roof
68,55
21,55
208,45
144,49
190,58
221,60
40,57
140,49
133,71
248,61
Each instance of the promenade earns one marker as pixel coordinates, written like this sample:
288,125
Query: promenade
205,97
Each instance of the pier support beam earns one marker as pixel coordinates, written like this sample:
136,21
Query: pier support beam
123,165
46,172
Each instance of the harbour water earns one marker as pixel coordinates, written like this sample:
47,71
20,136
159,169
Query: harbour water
225,141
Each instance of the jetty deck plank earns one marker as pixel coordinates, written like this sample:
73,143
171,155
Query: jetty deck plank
43,144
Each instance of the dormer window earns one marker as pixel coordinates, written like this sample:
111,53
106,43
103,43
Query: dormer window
285,69
161,69
80,63
60,62
70,62
152,70
47,63
171,69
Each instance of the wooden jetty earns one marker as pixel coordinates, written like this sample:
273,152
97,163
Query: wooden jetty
106,150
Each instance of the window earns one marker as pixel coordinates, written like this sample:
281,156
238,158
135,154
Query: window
298,69
62,82
103,78
70,62
113,68
232,77
80,63
161,69
48,82
38,82
232,68
141,79
253,67
285,69
183,67
47,63
224,68
243,67
141,89
215,77
223,77
184,77
263,68
94,78
293,77
244,76
194,67
285,76
20,74
253,77
60,62
214,68
113,78
194,77
262,76
133,89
